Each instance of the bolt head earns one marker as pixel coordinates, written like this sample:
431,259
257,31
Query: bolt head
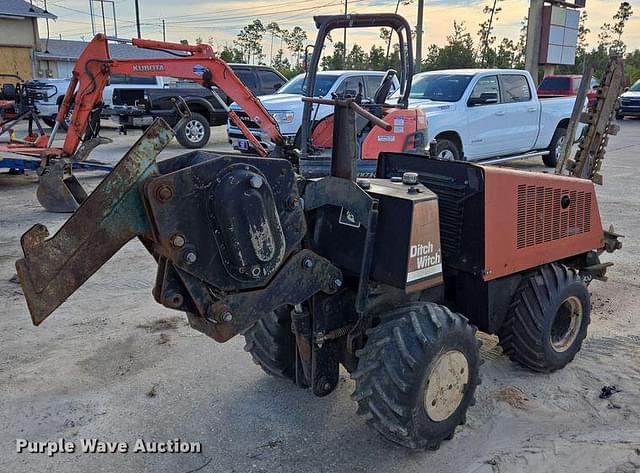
227,317
190,257
256,182
307,263
326,386
164,193
337,283
178,241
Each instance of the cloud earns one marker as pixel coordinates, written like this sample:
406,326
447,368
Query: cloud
221,20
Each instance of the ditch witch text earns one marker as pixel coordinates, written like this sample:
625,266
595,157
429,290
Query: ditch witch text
52,447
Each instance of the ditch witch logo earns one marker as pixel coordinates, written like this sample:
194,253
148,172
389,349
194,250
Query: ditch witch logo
148,67
424,261
53,447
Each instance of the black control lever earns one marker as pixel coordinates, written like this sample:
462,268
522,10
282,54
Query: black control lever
353,106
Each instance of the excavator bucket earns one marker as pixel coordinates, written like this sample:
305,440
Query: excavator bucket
53,268
58,189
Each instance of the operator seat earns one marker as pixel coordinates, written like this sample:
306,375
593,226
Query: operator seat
384,88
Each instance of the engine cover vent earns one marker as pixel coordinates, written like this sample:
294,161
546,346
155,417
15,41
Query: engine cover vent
548,213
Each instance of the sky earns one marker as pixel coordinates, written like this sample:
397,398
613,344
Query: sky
221,20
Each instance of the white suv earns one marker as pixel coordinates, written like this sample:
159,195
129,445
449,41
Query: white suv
286,104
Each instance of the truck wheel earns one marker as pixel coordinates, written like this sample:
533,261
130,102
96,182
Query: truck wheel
195,133
550,160
447,150
272,344
417,374
548,319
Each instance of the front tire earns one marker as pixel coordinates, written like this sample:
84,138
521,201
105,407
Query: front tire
447,150
272,345
548,319
195,133
555,147
417,375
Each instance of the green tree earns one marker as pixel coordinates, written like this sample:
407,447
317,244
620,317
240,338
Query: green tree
336,60
249,40
632,66
620,20
377,58
487,39
357,58
295,43
232,54
457,53
276,32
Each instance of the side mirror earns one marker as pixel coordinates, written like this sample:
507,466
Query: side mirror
9,91
626,89
485,98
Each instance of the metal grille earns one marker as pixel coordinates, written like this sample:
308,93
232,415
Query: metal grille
547,214
451,211
246,120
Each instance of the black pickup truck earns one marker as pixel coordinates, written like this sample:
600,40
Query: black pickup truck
134,108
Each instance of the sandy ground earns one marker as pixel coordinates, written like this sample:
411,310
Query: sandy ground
112,364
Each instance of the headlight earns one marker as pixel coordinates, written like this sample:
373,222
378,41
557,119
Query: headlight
283,117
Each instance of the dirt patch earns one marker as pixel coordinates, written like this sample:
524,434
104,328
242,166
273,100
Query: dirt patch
512,396
160,325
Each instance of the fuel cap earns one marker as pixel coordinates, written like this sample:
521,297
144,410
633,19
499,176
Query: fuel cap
410,178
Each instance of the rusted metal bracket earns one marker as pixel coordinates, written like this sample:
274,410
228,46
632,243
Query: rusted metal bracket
341,193
302,276
611,240
53,268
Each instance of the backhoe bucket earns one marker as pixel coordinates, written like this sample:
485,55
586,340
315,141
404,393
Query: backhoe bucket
53,268
58,189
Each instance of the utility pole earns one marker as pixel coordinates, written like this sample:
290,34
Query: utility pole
532,49
138,18
164,31
344,39
104,21
419,32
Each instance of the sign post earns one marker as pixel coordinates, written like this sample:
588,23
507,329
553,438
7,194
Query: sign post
552,34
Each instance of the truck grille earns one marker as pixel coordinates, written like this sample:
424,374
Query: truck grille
246,120
542,217
630,102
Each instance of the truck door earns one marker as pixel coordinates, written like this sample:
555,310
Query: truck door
485,120
522,113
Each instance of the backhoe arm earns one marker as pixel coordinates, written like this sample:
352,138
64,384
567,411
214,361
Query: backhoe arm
199,64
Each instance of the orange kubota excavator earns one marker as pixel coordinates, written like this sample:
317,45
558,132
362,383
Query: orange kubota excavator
59,190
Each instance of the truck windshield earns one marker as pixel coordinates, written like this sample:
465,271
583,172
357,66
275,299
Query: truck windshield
635,87
324,82
439,87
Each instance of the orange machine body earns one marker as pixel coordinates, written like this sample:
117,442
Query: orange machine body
533,218
405,124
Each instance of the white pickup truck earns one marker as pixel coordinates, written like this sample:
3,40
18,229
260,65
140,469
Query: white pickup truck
286,104
475,114
48,109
